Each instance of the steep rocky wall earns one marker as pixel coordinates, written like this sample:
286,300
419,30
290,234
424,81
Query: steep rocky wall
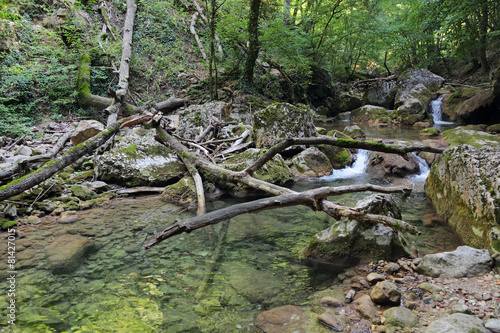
464,187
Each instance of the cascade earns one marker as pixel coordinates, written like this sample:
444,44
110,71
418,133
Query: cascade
437,114
423,167
357,168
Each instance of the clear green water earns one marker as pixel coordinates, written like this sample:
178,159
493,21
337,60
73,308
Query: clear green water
180,285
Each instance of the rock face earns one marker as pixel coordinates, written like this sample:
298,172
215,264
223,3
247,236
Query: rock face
67,251
464,187
381,93
311,163
464,261
347,242
473,137
471,106
138,160
382,165
85,130
409,80
457,323
279,121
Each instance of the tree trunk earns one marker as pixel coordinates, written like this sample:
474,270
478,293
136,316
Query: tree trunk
253,45
128,31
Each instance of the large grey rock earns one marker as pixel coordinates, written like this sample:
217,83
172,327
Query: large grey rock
383,165
408,80
371,114
311,163
85,130
346,101
138,160
457,323
493,325
282,120
464,187
347,242
464,261
381,93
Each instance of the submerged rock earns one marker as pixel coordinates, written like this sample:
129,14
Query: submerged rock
464,187
138,160
282,120
282,319
347,242
67,252
464,261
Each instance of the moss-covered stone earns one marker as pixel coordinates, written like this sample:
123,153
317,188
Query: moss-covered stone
83,192
183,192
460,136
339,157
493,129
368,113
281,120
311,162
428,132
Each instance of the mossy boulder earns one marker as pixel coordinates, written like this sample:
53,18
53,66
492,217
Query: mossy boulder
371,114
472,105
354,132
83,192
495,129
183,192
461,135
339,157
348,242
429,132
381,93
138,160
275,171
464,187
348,101
282,120
414,108
410,79
311,163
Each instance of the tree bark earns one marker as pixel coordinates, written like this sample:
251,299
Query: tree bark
308,198
128,31
253,45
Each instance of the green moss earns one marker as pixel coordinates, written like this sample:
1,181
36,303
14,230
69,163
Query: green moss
431,131
130,151
459,136
6,223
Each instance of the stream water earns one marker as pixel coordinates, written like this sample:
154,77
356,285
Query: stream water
197,282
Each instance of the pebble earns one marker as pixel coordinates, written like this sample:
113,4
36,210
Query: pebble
330,301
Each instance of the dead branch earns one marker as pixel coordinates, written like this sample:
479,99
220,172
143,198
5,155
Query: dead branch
189,161
308,198
345,143
198,41
50,168
169,104
126,51
363,82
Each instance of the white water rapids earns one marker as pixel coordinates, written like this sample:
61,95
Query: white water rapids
437,114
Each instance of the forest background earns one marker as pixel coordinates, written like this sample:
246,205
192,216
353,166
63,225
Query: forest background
286,51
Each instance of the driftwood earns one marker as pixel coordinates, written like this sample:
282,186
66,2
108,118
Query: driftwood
345,143
50,168
308,198
26,164
284,196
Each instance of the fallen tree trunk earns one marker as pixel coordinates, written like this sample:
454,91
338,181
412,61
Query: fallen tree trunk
20,185
308,198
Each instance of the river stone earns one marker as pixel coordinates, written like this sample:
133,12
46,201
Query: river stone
355,132
493,325
347,242
457,323
66,252
374,278
385,292
331,321
259,286
383,165
311,163
410,112
464,187
282,319
85,130
432,288
282,120
408,80
138,160
464,261
460,308
381,93
371,114
401,317
346,101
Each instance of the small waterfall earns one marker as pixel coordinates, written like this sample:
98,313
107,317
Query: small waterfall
437,114
423,167
358,167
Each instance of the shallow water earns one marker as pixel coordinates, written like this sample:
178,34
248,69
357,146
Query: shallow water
197,282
